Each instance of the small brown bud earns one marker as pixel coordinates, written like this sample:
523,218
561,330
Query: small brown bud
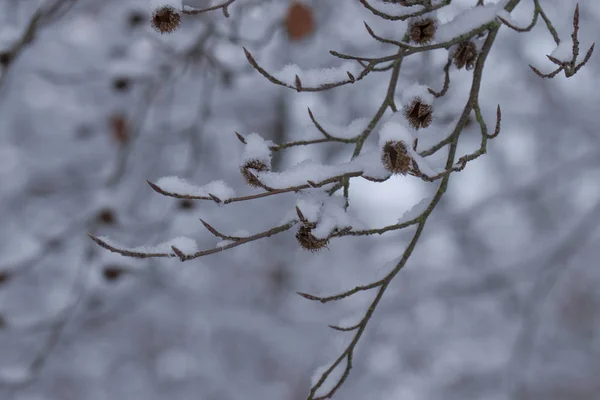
4,277
121,84
135,18
5,58
418,113
166,19
248,170
120,128
422,30
186,204
395,157
309,241
112,273
465,55
106,216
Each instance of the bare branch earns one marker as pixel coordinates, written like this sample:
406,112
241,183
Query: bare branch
217,233
404,17
223,6
273,192
128,253
536,13
446,81
327,135
42,17
346,329
298,84
342,295
185,257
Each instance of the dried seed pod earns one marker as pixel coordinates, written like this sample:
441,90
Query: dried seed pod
418,113
395,157
465,55
309,241
422,30
249,168
166,19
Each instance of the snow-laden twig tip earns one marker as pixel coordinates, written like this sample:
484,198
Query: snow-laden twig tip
179,253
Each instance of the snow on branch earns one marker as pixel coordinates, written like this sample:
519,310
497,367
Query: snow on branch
173,186
320,211
318,80
184,248
566,55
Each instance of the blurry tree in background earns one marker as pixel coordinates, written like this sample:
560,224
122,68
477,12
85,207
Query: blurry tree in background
497,300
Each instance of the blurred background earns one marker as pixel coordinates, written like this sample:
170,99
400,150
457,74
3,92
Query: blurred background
499,301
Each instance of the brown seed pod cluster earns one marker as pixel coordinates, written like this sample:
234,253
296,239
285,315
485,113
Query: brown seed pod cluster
395,157
309,241
423,30
248,171
166,19
418,113
465,55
